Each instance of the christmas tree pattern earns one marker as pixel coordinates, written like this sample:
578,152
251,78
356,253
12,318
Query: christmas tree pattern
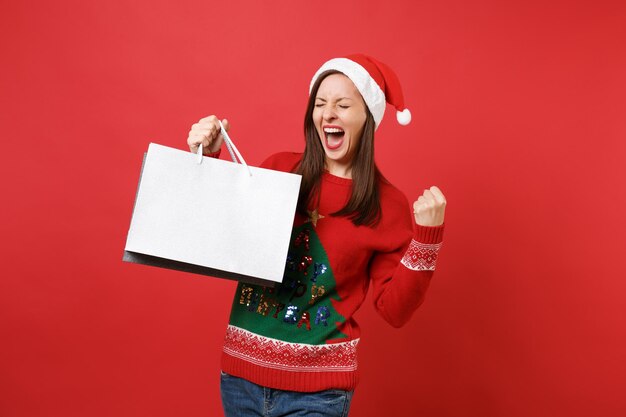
300,310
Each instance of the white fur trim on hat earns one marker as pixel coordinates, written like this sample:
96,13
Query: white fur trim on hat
372,94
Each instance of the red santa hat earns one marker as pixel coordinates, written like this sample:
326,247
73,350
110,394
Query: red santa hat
376,82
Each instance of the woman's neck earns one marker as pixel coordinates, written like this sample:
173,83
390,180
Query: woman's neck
339,170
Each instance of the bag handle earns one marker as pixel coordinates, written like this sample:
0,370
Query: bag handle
232,149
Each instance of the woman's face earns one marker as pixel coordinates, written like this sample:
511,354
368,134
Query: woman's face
339,116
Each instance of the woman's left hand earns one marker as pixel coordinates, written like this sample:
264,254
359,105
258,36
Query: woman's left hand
430,207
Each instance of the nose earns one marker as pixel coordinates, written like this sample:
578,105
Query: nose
329,113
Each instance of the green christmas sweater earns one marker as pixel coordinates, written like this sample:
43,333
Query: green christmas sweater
301,335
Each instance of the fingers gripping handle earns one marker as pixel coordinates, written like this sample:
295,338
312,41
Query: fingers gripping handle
232,149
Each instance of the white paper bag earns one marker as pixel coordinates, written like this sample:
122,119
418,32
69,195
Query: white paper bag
212,217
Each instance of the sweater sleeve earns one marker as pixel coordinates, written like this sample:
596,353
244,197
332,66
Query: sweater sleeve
282,161
400,276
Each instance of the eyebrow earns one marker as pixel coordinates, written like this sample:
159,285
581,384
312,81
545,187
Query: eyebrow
339,99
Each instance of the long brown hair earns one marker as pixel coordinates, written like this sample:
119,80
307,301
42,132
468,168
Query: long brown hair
363,207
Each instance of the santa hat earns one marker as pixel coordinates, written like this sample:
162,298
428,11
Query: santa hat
376,82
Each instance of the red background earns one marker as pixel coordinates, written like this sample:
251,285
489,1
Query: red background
518,116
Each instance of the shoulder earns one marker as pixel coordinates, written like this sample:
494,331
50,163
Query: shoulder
395,206
282,161
390,195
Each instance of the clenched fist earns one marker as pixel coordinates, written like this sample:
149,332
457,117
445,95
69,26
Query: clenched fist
208,133
430,207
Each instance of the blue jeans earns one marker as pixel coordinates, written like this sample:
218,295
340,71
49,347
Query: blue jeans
241,398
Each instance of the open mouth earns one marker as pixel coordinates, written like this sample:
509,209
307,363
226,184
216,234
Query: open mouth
334,137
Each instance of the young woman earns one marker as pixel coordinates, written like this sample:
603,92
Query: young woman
291,350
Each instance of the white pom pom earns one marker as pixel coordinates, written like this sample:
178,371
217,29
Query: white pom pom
404,117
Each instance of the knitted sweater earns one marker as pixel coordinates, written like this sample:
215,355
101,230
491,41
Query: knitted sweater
301,335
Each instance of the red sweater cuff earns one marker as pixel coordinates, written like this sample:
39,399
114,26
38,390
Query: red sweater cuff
428,234
214,154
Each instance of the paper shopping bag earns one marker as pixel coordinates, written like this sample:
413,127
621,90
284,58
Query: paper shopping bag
212,217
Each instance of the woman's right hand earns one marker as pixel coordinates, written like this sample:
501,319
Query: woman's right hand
208,133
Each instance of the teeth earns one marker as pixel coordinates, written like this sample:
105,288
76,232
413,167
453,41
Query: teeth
332,130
